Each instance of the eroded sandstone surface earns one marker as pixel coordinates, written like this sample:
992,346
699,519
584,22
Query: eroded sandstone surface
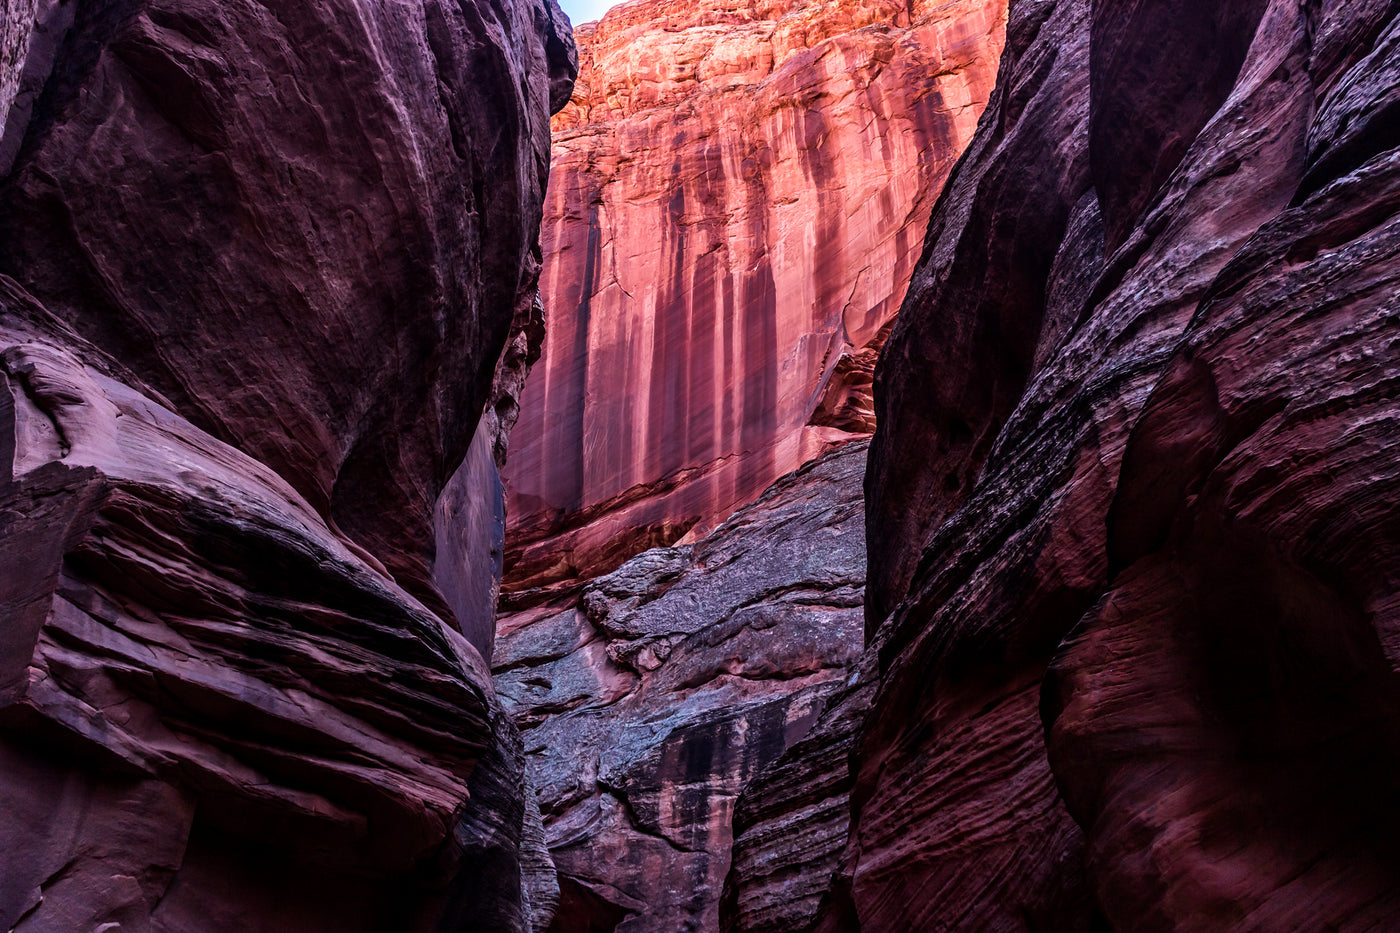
650,701
1131,502
262,269
736,203
735,206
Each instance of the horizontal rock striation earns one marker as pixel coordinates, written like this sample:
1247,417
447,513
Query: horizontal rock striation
647,703
183,643
314,242
258,268
1131,507
735,208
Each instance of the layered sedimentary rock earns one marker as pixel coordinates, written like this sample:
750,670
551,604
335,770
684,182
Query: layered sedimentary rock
791,821
736,203
1131,501
258,267
648,703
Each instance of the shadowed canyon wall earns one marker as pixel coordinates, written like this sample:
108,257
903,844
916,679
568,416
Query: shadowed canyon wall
262,270
1127,654
1131,502
737,198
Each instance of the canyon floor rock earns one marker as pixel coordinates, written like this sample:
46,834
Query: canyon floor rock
648,702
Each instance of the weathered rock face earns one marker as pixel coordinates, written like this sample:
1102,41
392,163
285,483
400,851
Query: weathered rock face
649,702
736,202
258,267
791,821
336,208
1131,502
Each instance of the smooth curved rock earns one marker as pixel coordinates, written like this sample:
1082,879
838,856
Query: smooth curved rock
182,626
735,208
261,270
304,227
1134,623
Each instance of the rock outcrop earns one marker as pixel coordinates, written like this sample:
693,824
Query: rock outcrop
649,702
736,200
1132,599
791,821
736,203
258,268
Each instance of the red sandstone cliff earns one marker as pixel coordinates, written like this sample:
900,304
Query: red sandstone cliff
736,202
258,268
1132,605
1132,501
735,208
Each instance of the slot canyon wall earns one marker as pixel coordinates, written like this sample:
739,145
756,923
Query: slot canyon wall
1132,606
736,203
1125,655
262,270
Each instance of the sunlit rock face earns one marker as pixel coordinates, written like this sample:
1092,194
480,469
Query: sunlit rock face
1131,503
262,269
736,204
648,703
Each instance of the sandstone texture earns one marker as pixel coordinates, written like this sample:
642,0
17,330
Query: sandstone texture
736,204
648,702
262,269
1131,504
791,821
336,212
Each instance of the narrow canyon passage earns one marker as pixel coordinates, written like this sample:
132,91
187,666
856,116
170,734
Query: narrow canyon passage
1083,651
950,448
735,207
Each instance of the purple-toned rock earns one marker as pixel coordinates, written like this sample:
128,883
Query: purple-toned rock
258,273
1131,502
791,821
304,227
